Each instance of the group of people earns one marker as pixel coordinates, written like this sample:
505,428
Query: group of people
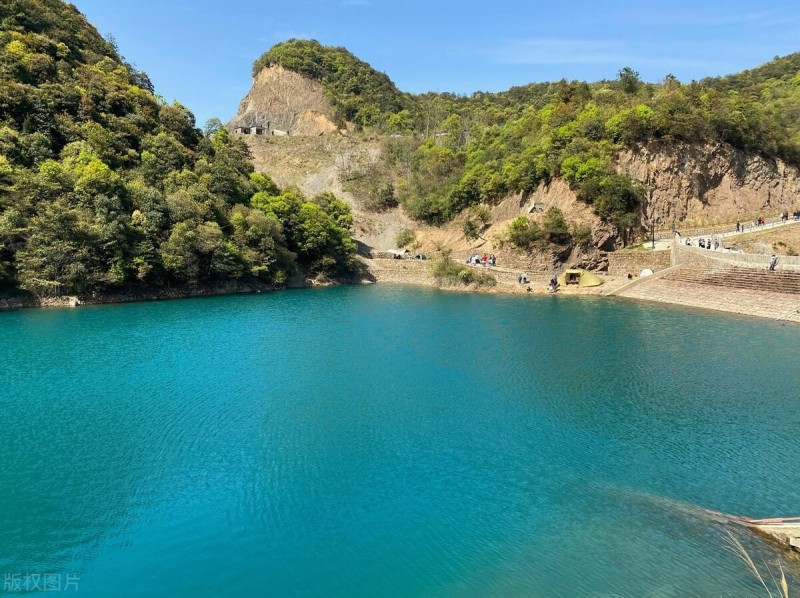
552,286
704,243
485,260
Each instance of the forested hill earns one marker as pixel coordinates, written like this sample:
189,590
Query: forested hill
106,188
357,92
779,71
448,152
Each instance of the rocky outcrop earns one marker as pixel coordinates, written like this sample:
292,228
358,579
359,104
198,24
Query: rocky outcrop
281,100
707,184
697,185
786,532
559,194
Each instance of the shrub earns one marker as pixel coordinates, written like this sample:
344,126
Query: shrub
582,235
470,230
478,219
555,227
523,233
481,214
381,198
447,271
405,237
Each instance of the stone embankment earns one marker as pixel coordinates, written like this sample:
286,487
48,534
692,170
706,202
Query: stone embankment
722,280
400,271
734,277
621,263
784,531
738,290
417,272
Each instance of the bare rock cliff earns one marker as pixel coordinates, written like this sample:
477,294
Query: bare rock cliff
693,185
283,101
709,183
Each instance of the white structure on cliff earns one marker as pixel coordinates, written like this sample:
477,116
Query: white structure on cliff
256,130
259,130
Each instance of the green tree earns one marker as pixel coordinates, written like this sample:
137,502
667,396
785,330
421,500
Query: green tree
212,126
629,80
555,227
524,233
58,257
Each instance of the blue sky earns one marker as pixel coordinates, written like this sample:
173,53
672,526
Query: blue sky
200,52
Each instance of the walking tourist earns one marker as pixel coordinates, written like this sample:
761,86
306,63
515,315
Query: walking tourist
773,261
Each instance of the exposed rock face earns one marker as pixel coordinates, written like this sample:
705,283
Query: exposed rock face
698,184
558,193
708,183
282,100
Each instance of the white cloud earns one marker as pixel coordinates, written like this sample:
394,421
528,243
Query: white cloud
554,51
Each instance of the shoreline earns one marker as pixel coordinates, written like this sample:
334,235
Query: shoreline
759,303
737,302
74,301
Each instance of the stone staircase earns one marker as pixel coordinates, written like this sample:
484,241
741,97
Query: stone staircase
786,282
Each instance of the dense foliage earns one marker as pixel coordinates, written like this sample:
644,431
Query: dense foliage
358,93
104,187
446,271
525,233
467,150
447,152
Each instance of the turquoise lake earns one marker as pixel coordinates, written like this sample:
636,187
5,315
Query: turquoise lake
390,441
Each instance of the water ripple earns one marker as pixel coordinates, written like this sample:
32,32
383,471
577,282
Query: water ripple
387,441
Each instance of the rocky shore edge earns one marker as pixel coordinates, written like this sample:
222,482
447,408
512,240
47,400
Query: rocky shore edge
72,301
410,273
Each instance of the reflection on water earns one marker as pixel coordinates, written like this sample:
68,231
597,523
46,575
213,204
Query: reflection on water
389,441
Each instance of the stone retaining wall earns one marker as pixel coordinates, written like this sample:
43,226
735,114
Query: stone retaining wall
709,231
620,263
695,256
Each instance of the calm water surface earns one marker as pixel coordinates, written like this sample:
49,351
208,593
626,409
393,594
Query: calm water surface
383,441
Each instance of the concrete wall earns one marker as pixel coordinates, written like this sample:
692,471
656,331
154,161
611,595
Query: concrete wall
703,257
708,231
621,263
